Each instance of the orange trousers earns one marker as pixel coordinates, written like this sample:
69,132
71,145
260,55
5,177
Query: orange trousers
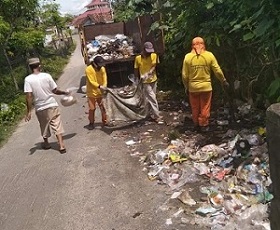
92,107
200,105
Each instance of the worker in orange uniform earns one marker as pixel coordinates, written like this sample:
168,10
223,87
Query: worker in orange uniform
96,85
196,77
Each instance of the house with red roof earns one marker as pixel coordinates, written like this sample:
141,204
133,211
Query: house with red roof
98,11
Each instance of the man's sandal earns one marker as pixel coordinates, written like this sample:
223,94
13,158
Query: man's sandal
62,151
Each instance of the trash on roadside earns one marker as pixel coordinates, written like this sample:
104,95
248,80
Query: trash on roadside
232,175
216,199
185,198
206,209
168,221
131,142
4,107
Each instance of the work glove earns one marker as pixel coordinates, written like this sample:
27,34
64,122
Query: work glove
103,88
225,84
144,76
150,74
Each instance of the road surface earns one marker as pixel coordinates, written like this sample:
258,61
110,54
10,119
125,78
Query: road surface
96,185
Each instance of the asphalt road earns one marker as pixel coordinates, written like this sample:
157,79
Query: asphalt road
96,185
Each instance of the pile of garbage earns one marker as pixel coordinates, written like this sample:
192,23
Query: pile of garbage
109,47
232,179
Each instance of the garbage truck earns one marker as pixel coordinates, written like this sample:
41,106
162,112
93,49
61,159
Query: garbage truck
118,43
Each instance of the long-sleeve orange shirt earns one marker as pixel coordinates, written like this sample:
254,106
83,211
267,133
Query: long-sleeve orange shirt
95,78
196,71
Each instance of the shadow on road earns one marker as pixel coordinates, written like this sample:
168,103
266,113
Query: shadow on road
54,145
82,83
69,136
122,126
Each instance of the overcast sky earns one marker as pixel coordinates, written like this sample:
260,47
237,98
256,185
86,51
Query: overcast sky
72,6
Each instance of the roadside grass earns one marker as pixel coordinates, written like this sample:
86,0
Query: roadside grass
11,115
6,131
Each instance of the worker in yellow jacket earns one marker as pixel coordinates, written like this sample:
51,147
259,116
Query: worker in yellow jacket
196,77
145,68
96,84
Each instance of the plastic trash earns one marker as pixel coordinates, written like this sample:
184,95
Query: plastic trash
264,225
4,107
178,213
244,109
232,143
207,152
185,104
205,210
175,195
222,122
154,171
243,147
168,221
159,157
254,139
202,168
175,180
216,199
225,162
185,198
262,131
208,190
257,212
95,43
229,207
175,157
131,142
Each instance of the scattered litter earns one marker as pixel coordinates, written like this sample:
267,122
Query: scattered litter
185,198
131,142
168,221
178,213
205,210
220,186
175,195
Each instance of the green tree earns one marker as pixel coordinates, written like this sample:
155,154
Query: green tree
128,9
244,35
15,15
50,16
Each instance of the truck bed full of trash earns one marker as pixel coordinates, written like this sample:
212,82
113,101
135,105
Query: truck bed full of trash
111,47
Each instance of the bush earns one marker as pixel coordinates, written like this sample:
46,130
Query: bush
12,112
53,66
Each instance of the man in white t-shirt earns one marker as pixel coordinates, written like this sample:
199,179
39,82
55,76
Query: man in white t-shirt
40,88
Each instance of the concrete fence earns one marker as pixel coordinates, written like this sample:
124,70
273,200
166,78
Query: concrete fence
273,140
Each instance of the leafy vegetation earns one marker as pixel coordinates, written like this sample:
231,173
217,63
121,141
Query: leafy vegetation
244,36
22,34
